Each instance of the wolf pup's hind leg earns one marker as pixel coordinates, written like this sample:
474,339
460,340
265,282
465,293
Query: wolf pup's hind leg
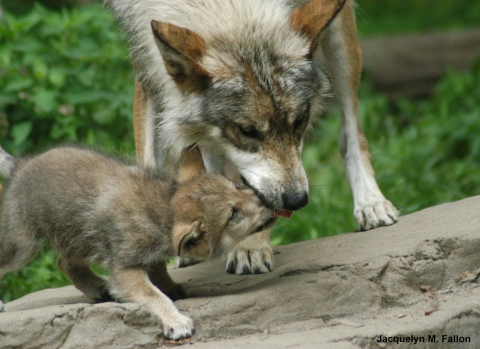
84,279
15,253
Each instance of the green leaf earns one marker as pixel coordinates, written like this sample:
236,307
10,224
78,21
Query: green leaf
39,69
20,83
82,97
5,56
56,76
104,116
45,100
20,132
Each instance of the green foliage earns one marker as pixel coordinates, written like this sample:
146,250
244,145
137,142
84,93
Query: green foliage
408,16
66,76
39,274
19,7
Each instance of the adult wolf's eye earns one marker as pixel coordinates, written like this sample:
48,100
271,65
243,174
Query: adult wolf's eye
298,124
249,132
301,121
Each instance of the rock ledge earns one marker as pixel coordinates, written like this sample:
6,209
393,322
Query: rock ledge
416,279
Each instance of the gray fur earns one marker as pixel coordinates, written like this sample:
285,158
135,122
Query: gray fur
7,164
82,201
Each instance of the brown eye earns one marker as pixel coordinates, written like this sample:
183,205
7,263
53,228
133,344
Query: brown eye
249,132
302,120
298,124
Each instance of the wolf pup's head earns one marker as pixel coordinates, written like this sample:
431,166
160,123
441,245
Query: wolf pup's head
211,213
255,86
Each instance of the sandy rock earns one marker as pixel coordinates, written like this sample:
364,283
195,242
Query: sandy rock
415,279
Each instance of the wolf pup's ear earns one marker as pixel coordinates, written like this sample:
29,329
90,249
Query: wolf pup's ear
311,18
188,240
191,164
181,50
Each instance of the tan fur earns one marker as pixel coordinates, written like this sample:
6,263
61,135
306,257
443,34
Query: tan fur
189,48
139,115
191,166
315,15
354,56
183,40
95,208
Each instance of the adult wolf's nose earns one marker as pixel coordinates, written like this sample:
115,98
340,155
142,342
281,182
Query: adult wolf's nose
294,201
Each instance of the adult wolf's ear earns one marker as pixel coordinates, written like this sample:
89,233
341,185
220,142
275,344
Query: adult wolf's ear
189,240
181,50
191,164
311,18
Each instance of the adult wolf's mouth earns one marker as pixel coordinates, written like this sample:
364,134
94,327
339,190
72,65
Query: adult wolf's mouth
257,193
277,213
283,213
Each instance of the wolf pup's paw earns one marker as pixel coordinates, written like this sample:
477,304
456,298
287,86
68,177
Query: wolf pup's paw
99,294
376,214
251,257
103,296
178,327
182,262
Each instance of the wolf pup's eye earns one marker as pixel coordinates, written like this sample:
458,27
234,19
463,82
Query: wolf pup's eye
234,214
249,132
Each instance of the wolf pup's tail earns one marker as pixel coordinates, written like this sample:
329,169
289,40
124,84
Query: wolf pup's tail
7,164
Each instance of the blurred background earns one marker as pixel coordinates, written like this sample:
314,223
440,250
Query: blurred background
65,76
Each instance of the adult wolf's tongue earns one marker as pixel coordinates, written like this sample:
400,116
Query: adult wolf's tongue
283,213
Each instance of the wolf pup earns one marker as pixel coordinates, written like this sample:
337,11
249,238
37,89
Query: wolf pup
93,208
241,78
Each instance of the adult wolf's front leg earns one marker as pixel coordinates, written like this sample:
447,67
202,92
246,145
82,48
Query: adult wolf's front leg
342,50
147,147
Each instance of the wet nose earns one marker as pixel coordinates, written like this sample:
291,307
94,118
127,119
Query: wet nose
294,201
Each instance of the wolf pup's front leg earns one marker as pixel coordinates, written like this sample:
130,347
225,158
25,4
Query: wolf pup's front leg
158,275
133,285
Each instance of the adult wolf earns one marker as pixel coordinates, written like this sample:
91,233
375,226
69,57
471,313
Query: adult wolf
240,79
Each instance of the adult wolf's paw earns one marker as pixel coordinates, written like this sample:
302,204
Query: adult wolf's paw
376,214
178,327
2,307
253,255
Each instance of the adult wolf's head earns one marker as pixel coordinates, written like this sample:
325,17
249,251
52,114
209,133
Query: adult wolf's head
250,85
